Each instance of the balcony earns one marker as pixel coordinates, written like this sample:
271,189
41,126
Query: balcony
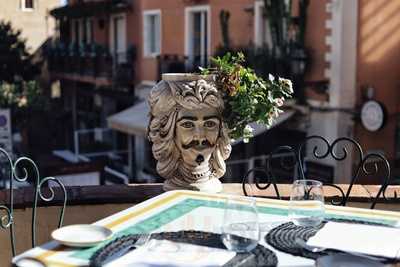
91,8
91,63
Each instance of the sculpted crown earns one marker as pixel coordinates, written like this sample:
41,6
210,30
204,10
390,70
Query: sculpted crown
194,93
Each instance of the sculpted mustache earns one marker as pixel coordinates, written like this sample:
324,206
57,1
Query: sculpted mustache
195,143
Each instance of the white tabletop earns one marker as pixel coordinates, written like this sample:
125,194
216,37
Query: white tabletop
188,210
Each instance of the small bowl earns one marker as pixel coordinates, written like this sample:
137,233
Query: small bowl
81,235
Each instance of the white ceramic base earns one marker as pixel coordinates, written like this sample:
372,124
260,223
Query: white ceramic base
211,186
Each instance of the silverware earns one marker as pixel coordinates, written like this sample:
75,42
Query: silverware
301,243
141,241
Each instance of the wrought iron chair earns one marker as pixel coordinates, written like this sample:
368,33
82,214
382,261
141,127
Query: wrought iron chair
19,171
338,150
253,184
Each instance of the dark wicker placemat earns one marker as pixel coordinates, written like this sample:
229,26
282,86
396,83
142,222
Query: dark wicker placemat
283,238
259,256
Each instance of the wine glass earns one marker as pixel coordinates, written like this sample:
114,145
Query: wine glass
253,187
240,229
306,207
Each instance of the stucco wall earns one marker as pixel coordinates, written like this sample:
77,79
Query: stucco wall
378,65
173,28
315,39
36,25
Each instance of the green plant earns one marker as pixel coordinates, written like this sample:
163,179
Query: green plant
248,98
24,99
15,61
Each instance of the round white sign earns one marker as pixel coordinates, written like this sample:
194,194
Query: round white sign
372,115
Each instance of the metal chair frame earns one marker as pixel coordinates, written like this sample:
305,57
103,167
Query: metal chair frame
7,220
328,149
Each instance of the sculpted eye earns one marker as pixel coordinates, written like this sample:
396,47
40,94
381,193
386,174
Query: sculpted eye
210,124
187,124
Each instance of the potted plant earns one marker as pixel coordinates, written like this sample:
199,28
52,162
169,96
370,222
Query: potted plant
194,117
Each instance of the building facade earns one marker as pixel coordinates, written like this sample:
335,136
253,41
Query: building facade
32,18
112,48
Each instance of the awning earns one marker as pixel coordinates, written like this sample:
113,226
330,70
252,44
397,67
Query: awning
259,128
88,9
134,121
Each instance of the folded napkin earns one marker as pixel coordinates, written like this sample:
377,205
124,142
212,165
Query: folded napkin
168,253
367,239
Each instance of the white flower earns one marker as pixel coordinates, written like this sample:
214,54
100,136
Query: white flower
272,115
247,133
288,83
279,102
271,77
248,129
23,102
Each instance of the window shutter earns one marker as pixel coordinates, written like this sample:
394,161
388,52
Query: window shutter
157,38
146,34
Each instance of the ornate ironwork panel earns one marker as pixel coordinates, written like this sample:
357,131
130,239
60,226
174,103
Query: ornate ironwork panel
321,148
25,170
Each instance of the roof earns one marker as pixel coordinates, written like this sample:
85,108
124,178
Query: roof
87,9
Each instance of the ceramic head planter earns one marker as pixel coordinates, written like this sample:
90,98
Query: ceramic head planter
193,118
189,138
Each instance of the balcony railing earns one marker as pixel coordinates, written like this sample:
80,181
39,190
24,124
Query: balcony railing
179,63
93,61
80,9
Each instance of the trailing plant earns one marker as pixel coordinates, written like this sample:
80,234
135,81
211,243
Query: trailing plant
248,98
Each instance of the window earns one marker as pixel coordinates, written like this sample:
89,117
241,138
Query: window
27,5
89,31
118,39
152,32
262,30
197,35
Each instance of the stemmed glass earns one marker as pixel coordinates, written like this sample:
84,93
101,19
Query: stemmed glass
240,229
252,187
306,206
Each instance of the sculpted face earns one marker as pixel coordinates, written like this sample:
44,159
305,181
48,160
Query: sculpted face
197,132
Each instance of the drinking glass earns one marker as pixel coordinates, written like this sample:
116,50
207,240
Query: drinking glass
254,188
306,207
240,229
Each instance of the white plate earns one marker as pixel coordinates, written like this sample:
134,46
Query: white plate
339,260
81,235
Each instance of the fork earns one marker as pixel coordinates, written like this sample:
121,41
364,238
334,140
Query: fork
301,243
141,241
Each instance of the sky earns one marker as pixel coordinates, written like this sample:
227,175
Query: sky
63,2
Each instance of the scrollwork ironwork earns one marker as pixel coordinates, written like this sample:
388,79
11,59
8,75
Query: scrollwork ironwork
256,182
6,220
19,172
269,173
338,150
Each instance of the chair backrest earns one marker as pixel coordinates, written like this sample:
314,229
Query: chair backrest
23,170
338,150
261,178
